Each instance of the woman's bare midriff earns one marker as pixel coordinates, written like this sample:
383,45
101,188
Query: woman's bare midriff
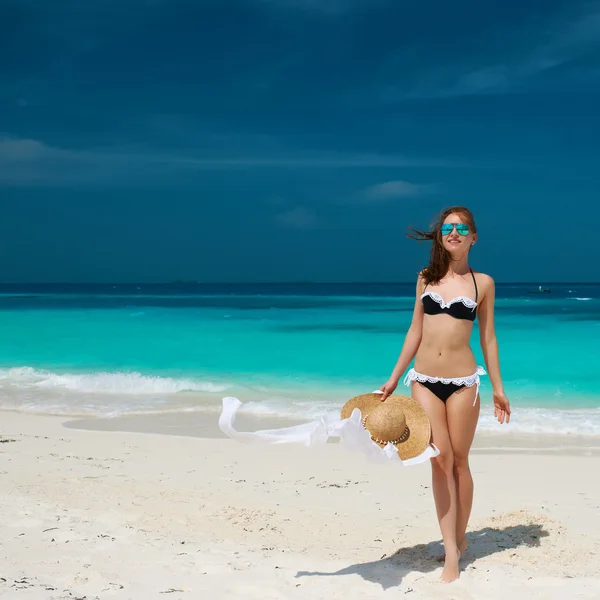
445,350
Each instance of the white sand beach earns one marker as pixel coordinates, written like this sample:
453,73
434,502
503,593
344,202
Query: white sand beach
133,515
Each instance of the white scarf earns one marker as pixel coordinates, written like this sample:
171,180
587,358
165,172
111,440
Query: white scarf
353,435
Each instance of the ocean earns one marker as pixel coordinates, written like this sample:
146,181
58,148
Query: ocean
289,350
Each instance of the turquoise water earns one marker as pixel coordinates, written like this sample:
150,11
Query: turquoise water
290,350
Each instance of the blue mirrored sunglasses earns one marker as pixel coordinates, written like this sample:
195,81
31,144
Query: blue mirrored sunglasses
461,228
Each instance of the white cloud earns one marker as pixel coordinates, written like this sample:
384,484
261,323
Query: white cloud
33,162
396,189
19,149
298,218
316,160
559,41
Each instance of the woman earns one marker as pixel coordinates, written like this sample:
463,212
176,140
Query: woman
445,377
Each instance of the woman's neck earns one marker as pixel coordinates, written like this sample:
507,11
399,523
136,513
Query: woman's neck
459,266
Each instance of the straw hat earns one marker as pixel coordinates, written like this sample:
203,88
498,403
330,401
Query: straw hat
399,420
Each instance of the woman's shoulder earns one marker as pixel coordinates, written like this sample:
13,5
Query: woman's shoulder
483,280
421,281
421,274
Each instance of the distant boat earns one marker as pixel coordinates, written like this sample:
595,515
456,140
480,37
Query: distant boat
540,290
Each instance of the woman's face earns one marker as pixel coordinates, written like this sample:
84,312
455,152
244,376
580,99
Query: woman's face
457,236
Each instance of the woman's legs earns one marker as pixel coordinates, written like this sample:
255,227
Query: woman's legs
443,482
462,419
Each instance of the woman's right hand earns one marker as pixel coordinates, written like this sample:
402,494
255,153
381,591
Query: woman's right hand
388,388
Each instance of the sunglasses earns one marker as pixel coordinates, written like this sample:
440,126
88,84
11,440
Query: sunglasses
461,228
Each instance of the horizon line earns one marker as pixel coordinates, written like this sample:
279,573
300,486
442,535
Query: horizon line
190,282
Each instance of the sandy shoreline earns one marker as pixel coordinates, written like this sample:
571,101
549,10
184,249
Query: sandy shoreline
204,425
106,514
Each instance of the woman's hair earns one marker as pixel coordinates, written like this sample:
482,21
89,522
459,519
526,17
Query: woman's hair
439,259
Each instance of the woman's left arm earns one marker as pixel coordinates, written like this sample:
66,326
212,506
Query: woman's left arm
489,346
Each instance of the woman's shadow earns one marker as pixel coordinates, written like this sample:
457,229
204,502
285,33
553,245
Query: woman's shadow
390,570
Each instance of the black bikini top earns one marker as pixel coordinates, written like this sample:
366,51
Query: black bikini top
460,307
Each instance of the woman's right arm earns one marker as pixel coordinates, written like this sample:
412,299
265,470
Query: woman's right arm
410,346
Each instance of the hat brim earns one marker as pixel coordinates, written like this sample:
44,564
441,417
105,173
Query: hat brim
417,421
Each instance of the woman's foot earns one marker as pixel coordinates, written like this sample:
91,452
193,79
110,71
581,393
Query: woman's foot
451,571
462,547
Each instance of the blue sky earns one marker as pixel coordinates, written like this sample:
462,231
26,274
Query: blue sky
293,140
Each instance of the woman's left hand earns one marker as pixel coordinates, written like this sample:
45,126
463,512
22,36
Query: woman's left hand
501,407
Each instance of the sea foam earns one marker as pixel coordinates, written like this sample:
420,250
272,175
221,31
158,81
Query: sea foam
102,382
106,394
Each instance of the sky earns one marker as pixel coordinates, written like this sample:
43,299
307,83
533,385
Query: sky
295,140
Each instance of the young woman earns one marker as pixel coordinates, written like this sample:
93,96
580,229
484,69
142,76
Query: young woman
445,377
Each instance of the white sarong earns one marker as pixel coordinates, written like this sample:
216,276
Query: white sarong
351,432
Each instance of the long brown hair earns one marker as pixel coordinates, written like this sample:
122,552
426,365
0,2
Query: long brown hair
439,259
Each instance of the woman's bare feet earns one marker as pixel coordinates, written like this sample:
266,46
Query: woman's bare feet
462,547
451,571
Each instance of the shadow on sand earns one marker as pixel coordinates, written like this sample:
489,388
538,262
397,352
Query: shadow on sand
389,571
